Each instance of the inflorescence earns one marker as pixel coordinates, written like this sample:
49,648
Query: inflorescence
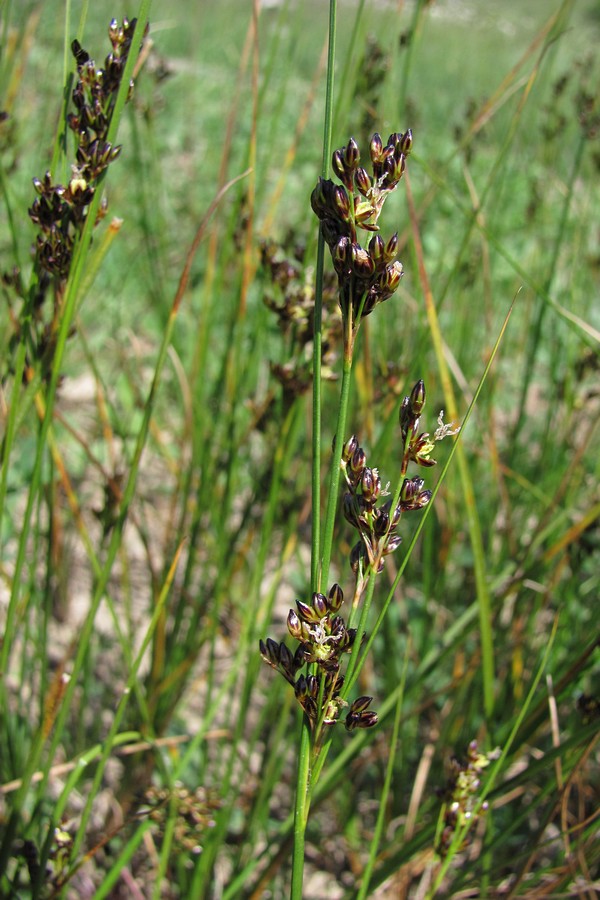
366,277
60,211
323,639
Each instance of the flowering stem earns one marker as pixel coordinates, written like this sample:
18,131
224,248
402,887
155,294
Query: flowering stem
303,784
334,482
301,810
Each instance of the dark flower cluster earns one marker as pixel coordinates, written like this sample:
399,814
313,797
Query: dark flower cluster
460,795
60,211
366,275
290,294
377,524
322,641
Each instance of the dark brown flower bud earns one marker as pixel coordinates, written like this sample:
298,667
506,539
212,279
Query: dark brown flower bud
285,658
294,625
342,202
398,169
351,154
350,447
406,142
351,509
358,461
270,652
390,278
306,612
376,148
417,398
362,263
337,164
367,483
300,656
360,704
341,255
391,248
312,685
301,687
357,556
359,716
382,522
336,597
392,544
362,181
320,605
318,198
410,489
368,719
376,248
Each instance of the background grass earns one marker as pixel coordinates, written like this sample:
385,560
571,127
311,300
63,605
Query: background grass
504,177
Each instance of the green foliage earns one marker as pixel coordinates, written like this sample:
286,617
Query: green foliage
155,480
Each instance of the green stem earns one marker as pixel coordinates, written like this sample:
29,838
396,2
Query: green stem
318,336
303,784
334,483
301,810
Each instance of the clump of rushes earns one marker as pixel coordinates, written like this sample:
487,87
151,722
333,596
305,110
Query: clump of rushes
60,211
461,804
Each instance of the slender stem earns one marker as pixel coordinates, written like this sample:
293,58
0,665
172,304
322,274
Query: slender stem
301,811
303,778
318,336
334,483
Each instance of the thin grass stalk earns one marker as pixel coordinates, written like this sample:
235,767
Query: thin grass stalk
114,873
335,475
559,241
277,193
247,264
420,5
387,784
546,38
577,324
483,594
303,776
60,140
347,78
316,569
